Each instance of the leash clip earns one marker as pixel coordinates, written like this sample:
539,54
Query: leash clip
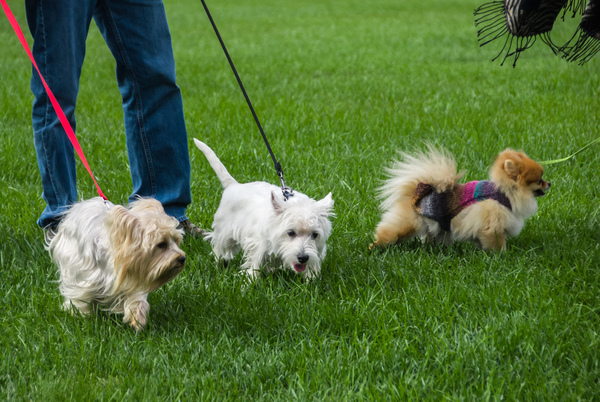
287,192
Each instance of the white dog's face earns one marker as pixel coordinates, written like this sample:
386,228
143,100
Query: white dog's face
301,233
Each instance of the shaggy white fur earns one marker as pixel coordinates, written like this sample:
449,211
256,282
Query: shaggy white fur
271,232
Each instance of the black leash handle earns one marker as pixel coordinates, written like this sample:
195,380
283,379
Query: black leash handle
287,192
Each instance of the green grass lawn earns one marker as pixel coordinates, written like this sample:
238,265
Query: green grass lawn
339,86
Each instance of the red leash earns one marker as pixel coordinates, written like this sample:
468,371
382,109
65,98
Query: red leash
57,108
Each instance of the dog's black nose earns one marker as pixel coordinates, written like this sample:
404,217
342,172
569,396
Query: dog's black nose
181,260
302,258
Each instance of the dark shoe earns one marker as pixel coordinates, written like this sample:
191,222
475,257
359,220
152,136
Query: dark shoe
50,232
190,229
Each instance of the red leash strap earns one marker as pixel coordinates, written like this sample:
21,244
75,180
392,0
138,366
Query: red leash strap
57,108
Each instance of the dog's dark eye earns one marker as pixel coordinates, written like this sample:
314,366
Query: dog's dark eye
314,235
162,245
540,181
291,233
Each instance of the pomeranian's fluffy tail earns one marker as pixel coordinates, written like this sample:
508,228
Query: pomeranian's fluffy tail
222,173
434,166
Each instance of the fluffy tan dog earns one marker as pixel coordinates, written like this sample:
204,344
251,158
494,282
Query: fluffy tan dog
423,198
113,257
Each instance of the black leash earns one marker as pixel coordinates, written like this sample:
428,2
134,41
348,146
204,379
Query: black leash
287,192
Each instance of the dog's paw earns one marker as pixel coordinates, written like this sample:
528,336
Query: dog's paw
77,308
138,322
311,274
252,274
137,315
375,245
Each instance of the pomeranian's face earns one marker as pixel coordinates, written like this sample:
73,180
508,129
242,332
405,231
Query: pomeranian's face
533,180
517,167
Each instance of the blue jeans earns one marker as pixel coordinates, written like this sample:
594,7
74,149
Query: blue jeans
138,36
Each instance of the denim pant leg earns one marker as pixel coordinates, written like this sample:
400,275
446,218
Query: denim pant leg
59,29
137,34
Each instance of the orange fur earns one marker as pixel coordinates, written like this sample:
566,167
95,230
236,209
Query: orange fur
487,223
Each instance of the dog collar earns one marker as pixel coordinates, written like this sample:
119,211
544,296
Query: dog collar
287,192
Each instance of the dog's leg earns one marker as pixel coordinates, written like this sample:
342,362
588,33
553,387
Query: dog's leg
73,306
225,248
251,270
136,312
392,229
254,260
493,241
253,263
312,272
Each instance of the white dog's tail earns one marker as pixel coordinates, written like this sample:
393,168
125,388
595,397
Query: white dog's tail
222,173
434,166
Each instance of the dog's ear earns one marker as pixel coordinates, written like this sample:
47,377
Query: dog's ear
325,205
278,204
125,239
147,204
512,168
123,226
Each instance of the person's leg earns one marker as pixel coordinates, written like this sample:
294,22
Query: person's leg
59,29
137,34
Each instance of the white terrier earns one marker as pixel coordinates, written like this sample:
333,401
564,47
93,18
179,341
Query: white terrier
114,257
255,218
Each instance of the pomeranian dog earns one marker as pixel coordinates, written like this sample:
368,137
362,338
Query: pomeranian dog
423,198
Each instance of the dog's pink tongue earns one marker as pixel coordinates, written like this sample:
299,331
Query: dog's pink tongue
299,267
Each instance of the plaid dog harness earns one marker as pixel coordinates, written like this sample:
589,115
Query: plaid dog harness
521,22
443,207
